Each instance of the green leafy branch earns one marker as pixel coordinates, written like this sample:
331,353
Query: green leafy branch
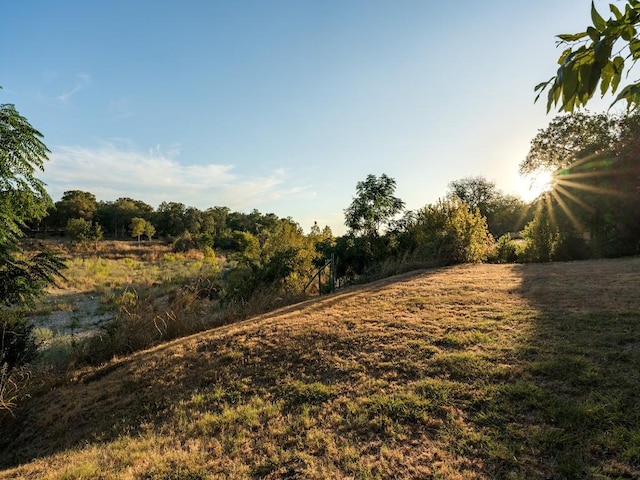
591,60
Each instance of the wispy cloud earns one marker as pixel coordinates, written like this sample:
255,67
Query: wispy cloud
82,80
111,171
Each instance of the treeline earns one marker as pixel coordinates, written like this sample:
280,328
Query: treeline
591,210
263,251
120,219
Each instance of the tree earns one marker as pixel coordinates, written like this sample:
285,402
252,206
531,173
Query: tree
117,215
137,227
149,230
218,216
506,214
23,198
476,192
552,236
503,213
374,205
569,139
76,204
83,231
600,55
170,218
596,165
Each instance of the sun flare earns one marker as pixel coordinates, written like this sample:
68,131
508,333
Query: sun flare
534,185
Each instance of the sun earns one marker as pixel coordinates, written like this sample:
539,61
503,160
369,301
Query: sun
533,185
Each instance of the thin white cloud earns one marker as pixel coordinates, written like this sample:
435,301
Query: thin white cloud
82,80
111,172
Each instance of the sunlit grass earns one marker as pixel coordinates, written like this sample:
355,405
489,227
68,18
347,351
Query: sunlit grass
471,372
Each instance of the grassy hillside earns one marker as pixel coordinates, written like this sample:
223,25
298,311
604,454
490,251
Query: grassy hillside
476,371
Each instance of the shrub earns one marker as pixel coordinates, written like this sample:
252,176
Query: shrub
449,232
552,237
184,243
17,344
506,250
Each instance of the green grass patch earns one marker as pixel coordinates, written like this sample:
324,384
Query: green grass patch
296,393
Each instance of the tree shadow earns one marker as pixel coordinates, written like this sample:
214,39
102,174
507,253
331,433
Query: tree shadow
572,400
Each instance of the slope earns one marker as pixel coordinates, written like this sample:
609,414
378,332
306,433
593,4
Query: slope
475,371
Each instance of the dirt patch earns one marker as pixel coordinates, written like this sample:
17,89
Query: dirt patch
78,313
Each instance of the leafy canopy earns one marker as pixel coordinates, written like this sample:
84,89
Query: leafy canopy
373,206
22,196
568,139
599,55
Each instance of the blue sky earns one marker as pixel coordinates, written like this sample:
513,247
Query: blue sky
282,105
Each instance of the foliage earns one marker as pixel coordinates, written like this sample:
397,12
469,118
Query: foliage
137,227
22,280
149,230
185,242
140,226
280,261
82,231
507,214
373,206
568,139
17,345
116,216
247,246
506,250
170,218
504,213
542,237
74,204
476,192
23,199
599,55
550,236
359,255
449,232
22,196
595,186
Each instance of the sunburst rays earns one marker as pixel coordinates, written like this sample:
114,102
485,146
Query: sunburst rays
581,192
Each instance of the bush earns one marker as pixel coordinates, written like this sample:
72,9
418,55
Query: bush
448,232
552,239
506,250
184,243
17,344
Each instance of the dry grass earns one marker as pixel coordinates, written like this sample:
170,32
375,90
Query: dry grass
470,372
99,287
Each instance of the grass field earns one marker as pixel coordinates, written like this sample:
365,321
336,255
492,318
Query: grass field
101,280
468,372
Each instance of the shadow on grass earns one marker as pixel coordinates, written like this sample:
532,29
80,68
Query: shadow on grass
574,409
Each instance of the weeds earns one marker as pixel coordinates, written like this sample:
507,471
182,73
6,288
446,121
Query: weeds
9,389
